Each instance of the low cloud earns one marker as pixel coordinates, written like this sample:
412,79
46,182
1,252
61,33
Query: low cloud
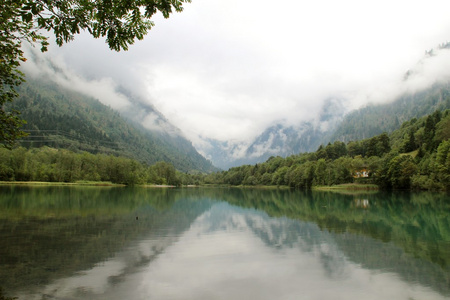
54,68
265,148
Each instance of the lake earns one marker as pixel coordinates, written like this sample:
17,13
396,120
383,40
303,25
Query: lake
222,243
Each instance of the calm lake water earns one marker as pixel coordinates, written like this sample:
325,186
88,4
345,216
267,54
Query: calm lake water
201,243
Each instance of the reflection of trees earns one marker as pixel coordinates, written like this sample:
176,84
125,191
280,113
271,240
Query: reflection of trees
416,223
48,233
48,201
373,254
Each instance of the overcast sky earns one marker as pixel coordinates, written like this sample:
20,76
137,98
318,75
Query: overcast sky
228,69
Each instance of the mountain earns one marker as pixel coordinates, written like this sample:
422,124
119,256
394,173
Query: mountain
432,92
62,118
335,123
279,139
375,119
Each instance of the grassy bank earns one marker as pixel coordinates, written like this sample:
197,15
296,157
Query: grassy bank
348,187
43,183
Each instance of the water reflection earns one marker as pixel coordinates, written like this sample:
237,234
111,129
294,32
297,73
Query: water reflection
51,233
233,244
247,255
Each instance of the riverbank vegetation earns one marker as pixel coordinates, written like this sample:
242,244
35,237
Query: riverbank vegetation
348,187
60,165
416,156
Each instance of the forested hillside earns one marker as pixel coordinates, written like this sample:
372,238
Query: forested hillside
61,165
416,156
376,119
60,118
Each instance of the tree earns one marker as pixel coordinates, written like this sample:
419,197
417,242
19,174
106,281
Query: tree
120,22
401,169
443,163
378,145
354,148
166,173
13,30
383,145
443,128
430,128
320,172
409,142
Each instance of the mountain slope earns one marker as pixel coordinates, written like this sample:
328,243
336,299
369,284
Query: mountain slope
278,140
62,118
375,119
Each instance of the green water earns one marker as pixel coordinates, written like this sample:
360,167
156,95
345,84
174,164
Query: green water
204,243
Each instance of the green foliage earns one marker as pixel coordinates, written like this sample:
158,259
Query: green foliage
165,173
120,22
400,170
443,163
13,30
62,165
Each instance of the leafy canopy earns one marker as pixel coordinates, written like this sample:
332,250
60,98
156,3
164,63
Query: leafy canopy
121,22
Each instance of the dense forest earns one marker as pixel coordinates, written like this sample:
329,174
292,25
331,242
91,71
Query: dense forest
62,165
416,156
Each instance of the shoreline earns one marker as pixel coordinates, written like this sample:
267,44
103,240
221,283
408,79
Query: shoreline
84,183
46,183
340,187
348,187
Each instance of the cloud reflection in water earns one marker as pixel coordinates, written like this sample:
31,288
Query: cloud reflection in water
230,253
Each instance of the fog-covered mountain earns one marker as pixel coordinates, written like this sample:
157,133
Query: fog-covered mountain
372,120
332,125
62,118
278,139
418,94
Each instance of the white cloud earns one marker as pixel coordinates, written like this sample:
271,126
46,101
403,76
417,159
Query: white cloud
54,68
